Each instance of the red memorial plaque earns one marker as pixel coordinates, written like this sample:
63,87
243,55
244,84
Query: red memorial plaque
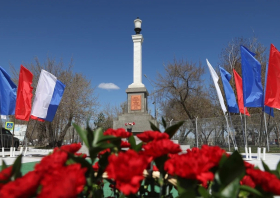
135,102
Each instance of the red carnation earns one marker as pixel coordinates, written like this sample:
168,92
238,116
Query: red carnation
52,162
103,152
214,153
148,136
65,182
121,132
161,147
5,175
22,187
95,166
83,155
71,148
155,168
195,164
127,170
267,181
125,144
247,180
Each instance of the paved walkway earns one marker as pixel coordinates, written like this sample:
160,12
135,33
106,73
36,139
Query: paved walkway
31,156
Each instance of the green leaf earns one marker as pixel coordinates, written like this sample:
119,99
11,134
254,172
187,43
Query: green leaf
103,146
250,190
163,122
160,163
4,165
278,167
232,189
154,127
122,196
16,167
98,193
132,142
103,163
232,168
90,135
186,187
203,192
100,147
222,160
173,129
82,133
216,185
98,134
266,168
106,138
276,173
80,160
139,147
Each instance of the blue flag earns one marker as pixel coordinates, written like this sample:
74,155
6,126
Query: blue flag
267,109
8,94
230,97
56,98
251,79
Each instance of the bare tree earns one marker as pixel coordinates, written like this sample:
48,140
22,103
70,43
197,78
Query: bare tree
182,94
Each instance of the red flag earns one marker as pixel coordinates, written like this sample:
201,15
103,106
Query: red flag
272,93
36,118
238,84
24,94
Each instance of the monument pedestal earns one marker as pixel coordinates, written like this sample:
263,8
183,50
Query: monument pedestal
142,122
137,111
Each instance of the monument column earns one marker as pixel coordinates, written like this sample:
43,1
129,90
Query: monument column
137,56
137,94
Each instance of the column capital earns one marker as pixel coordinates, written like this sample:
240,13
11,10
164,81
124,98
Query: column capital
137,38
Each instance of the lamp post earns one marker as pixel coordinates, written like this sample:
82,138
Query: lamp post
155,101
137,25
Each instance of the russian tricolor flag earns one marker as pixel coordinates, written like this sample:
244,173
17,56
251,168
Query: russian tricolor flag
48,95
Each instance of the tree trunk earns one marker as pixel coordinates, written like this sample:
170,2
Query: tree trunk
63,132
51,134
73,135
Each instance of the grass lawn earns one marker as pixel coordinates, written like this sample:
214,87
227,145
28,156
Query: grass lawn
26,167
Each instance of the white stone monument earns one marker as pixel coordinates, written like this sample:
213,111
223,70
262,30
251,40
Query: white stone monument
137,57
137,105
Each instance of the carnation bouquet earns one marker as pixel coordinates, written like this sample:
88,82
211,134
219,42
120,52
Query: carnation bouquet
156,167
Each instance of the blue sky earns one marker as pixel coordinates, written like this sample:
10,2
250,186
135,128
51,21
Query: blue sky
97,34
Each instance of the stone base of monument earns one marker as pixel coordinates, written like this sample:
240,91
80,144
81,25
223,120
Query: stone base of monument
142,122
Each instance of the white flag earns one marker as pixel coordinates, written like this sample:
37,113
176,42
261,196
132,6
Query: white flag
215,78
43,95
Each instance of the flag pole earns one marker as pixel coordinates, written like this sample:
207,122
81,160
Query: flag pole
242,126
265,126
245,128
24,139
2,145
229,134
232,127
33,130
267,139
14,131
260,133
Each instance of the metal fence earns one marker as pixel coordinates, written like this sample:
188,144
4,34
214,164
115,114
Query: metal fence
260,130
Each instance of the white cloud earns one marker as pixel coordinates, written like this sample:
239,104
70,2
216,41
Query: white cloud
108,86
